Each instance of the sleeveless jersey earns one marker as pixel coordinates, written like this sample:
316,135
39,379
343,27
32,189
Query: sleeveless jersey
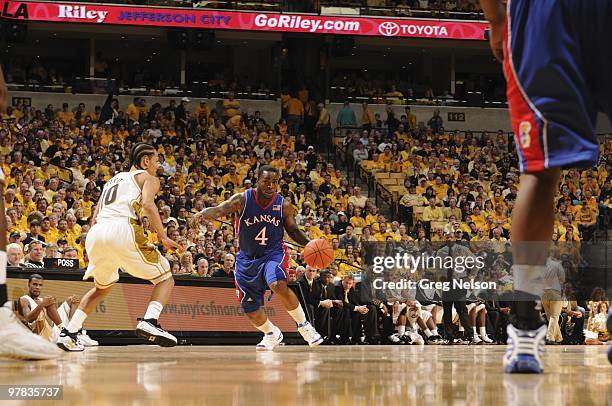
120,198
261,229
33,303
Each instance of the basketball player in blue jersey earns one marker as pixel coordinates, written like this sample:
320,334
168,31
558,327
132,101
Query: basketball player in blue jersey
558,65
262,260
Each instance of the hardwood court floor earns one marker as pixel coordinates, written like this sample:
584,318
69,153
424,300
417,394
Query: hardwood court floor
297,375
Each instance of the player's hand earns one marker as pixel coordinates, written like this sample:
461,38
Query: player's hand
48,301
73,300
496,39
198,218
169,243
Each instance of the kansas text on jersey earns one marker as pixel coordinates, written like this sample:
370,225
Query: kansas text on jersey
261,229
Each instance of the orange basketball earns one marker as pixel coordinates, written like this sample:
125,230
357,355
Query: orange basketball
319,253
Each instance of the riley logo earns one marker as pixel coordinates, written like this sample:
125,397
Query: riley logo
389,29
81,13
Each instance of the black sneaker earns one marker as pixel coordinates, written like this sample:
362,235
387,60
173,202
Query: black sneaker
434,340
150,330
461,341
68,341
406,339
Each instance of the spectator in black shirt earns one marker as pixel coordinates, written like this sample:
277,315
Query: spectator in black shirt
180,115
227,271
34,234
348,238
36,254
326,186
435,122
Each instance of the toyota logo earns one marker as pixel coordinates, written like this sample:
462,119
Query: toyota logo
389,29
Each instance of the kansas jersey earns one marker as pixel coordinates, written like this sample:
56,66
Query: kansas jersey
260,229
120,197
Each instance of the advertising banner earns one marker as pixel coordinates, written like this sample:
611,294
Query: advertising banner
190,308
246,21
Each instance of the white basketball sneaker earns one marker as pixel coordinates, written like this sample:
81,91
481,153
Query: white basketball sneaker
415,338
16,341
486,339
310,335
270,340
524,350
86,340
150,330
68,341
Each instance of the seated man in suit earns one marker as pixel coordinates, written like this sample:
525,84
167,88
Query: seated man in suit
356,319
318,299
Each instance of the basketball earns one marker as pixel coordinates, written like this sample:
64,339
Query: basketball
318,253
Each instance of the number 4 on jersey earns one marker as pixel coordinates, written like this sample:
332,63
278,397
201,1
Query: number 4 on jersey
261,237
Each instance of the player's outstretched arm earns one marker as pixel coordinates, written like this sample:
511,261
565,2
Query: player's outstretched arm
291,226
150,188
495,13
233,205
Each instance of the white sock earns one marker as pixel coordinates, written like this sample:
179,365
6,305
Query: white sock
427,332
154,310
267,327
401,330
475,332
461,329
77,320
435,331
529,278
298,315
483,331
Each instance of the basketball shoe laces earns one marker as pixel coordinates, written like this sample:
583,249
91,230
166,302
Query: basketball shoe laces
152,322
525,342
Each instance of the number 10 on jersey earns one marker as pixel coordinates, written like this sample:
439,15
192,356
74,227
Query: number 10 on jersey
109,195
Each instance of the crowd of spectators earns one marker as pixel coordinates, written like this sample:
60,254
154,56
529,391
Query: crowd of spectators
461,187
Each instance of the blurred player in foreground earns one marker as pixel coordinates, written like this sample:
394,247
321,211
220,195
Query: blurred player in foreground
557,64
16,341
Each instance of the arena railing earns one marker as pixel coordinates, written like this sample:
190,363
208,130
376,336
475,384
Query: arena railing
472,99
93,85
400,11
